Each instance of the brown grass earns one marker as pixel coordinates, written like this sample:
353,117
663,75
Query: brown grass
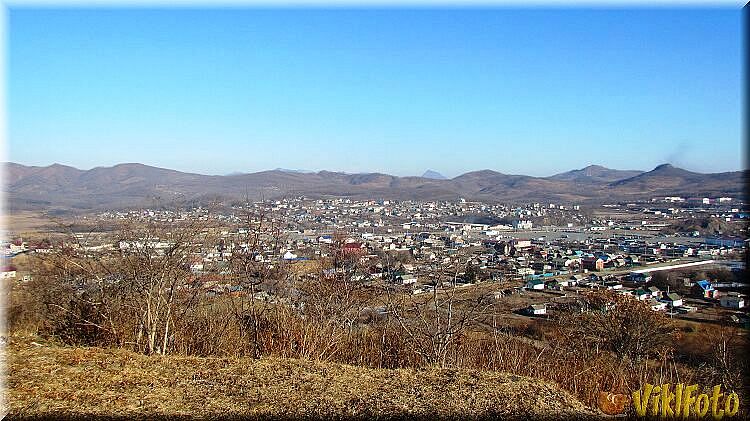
46,379
28,223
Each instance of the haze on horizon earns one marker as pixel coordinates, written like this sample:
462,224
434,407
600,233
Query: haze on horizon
397,91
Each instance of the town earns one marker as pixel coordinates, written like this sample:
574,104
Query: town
537,256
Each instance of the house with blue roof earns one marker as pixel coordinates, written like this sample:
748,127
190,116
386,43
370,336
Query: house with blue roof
535,284
704,289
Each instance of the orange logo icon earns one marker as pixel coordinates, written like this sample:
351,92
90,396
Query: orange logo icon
613,403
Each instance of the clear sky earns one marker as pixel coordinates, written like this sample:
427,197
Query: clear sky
521,91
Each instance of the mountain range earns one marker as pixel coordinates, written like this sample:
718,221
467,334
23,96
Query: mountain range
63,188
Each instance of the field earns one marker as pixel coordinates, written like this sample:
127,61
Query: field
25,224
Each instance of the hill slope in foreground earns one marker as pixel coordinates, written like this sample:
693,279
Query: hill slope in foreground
45,380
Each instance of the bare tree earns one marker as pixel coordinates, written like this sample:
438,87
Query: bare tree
334,298
131,289
726,359
435,322
255,263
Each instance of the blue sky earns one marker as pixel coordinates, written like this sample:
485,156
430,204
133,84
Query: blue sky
523,91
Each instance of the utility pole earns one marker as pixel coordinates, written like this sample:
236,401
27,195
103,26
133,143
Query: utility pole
671,305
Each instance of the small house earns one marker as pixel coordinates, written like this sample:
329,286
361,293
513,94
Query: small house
657,305
536,309
554,285
8,272
593,263
354,248
654,291
639,277
631,260
732,300
673,300
536,284
407,279
704,289
565,283
641,294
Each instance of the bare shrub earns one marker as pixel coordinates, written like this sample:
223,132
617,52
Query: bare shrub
723,357
128,295
627,327
437,322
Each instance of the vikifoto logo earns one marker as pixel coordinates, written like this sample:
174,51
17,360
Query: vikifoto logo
682,401
668,402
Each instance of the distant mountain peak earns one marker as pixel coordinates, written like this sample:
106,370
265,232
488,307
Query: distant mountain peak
294,171
595,166
434,175
664,167
482,173
670,170
593,170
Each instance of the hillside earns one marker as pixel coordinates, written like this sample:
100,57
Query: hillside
62,188
666,177
47,380
596,174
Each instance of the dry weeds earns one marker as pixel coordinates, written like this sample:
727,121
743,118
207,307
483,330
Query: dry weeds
49,380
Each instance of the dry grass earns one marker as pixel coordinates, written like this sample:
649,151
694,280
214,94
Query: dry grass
28,223
49,380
